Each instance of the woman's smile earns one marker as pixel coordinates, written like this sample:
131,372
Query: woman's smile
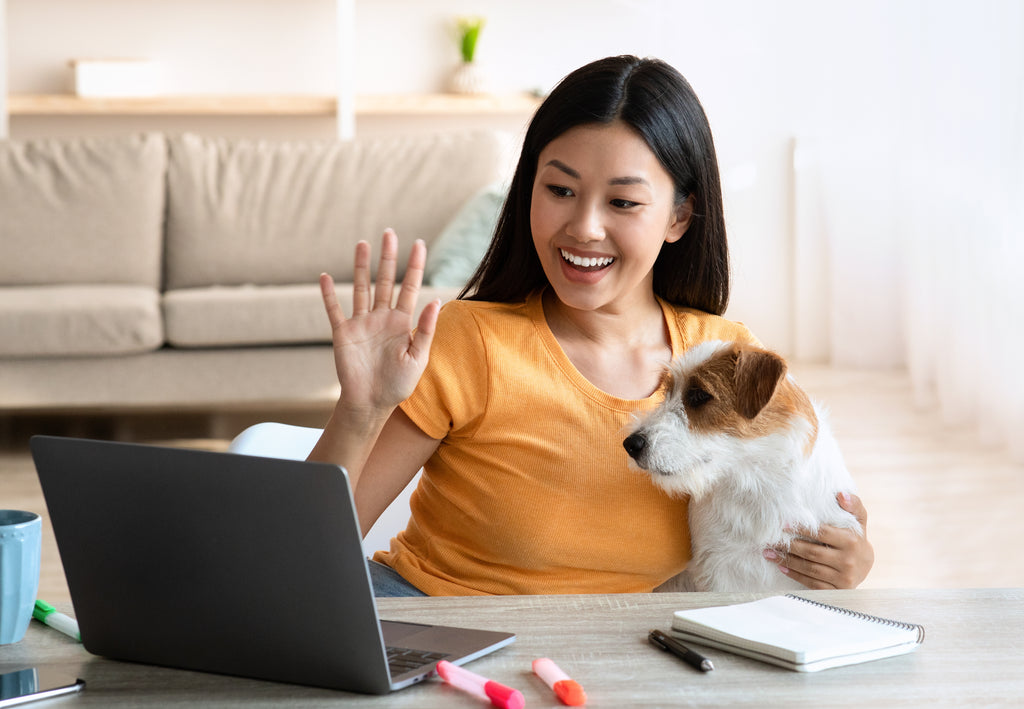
586,263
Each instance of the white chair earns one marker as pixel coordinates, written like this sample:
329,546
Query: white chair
279,440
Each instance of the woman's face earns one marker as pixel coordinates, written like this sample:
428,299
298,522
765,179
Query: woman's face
602,206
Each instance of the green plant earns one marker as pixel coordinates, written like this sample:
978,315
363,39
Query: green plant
469,33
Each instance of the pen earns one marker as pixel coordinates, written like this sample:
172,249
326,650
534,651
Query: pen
45,613
472,683
567,690
670,644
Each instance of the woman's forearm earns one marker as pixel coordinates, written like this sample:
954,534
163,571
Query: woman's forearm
348,438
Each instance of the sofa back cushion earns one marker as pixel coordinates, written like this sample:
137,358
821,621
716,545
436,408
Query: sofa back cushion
276,213
82,210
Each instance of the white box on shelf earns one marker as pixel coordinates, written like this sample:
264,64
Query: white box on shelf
109,78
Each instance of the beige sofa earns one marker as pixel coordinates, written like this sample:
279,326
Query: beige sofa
148,272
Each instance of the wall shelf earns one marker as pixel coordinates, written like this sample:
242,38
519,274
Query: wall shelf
343,104
447,104
271,105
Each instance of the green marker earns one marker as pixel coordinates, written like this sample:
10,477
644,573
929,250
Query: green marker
45,613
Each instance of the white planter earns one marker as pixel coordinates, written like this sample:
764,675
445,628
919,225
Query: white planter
468,78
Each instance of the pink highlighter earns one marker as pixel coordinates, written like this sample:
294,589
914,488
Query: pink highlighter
567,690
500,696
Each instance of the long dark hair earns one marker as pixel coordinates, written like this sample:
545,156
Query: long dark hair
658,103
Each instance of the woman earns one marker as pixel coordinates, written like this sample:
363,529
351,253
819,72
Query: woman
609,259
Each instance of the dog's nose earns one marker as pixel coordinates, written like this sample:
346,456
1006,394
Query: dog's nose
634,444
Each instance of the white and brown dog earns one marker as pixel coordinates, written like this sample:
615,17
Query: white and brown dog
756,456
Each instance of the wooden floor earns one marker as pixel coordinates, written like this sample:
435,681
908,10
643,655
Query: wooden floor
945,510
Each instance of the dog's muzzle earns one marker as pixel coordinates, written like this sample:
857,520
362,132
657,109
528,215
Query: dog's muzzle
635,444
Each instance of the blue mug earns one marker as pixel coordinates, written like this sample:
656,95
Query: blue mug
21,535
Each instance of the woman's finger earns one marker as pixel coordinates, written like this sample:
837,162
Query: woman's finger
810,581
419,347
855,506
327,292
410,291
386,270
361,280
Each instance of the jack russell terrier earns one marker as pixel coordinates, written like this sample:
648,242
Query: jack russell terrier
755,455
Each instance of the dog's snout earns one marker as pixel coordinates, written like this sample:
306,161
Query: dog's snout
634,444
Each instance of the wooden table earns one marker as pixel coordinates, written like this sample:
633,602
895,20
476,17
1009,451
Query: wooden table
973,655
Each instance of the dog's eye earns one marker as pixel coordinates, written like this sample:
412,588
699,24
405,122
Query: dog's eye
695,397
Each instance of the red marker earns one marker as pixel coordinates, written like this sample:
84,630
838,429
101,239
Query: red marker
472,683
567,690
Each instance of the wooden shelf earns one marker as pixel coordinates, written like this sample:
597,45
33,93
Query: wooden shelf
71,105
447,104
279,105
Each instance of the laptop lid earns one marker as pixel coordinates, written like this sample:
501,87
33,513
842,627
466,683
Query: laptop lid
226,563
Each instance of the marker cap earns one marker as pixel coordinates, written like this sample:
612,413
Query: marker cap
567,690
570,693
504,697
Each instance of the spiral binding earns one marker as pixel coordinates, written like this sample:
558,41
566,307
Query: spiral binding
864,616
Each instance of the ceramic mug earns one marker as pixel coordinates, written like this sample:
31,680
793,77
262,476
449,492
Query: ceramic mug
20,549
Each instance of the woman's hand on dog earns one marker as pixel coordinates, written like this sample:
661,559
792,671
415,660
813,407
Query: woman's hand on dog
836,558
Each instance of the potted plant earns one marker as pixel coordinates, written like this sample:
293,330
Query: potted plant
468,77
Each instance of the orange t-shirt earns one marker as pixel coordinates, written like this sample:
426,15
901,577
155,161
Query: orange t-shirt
530,490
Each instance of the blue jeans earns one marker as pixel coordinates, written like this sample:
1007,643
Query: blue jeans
388,583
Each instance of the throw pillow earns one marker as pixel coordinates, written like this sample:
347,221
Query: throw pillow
455,254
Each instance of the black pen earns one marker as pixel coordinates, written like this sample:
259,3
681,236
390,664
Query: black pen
670,644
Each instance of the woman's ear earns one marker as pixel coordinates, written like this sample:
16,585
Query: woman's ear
680,220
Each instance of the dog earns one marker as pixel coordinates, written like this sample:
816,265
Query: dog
756,456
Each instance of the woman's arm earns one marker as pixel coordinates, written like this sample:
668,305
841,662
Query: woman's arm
839,558
401,450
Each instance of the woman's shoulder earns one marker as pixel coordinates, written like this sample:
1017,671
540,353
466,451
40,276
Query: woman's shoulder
465,306
697,326
476,320
483,310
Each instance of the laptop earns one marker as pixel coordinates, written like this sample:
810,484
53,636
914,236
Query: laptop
231,564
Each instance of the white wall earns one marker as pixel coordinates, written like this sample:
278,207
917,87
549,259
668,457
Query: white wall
838,78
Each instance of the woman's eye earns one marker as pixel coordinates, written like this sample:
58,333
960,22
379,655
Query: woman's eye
559,191
623,203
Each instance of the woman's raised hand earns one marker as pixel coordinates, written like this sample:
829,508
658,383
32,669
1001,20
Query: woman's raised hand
378,354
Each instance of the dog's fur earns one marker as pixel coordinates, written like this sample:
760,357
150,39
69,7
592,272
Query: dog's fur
754,453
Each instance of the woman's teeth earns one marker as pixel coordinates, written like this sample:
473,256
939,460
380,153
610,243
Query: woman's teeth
586,261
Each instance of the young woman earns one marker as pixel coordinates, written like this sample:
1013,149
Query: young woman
609,259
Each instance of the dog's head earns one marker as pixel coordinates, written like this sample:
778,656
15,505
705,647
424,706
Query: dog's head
726,404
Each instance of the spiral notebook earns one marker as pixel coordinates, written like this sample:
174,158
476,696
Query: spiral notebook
797,633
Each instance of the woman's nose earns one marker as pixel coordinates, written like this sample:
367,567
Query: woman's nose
585,223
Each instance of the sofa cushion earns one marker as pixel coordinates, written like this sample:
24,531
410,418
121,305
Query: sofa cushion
454,256
224,316
82,210
251,379
42,321
277,213
245,315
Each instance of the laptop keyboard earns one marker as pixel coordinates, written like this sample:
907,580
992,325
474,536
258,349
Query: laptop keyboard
403,659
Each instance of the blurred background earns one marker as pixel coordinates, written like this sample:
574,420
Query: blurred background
872,152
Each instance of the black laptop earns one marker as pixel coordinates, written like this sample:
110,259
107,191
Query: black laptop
231,564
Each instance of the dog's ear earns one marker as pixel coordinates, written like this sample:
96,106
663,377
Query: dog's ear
757,374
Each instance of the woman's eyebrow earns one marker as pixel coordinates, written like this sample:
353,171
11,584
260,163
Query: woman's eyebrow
628,181
558,164
564,168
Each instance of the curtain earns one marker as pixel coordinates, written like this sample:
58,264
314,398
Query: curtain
910,199
962,183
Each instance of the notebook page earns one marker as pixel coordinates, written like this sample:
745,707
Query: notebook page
794,630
